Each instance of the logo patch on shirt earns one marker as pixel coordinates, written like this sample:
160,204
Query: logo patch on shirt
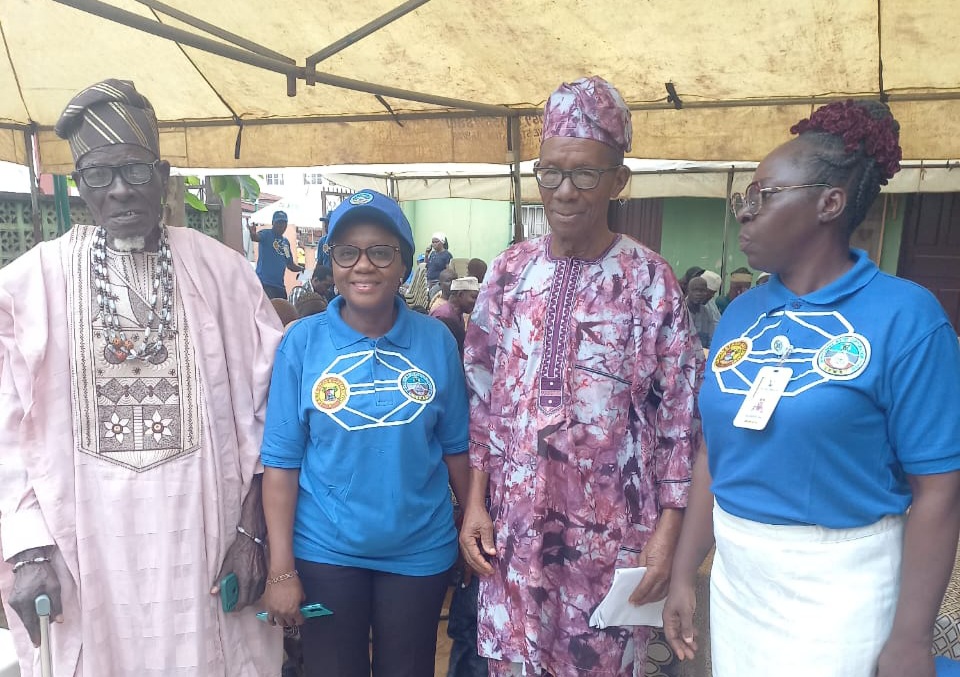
330,393
417,386
843,357
361,198
731,354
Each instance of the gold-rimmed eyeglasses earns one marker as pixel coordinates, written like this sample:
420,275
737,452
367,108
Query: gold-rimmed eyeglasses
751,200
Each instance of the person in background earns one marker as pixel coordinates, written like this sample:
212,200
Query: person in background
762,278
134,365
323,258
477,268
830,481
273,256
322,282
740,281
286,311
583,369
441,291
704,319
463,297
692,272
366,426
310,303
438,257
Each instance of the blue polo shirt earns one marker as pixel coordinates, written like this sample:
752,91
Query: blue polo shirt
875,385
368,422
273,255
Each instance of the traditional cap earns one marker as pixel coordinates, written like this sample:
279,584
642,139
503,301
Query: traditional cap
465,284
378,208
590,108
439,236
108,113
712,279
741,277
280,217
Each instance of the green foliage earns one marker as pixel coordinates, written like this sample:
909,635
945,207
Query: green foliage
194,201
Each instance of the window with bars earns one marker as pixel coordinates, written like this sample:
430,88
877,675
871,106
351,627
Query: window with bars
274,179
312,179
534,221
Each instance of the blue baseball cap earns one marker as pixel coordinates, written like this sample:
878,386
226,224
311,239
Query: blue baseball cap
279,216
369,205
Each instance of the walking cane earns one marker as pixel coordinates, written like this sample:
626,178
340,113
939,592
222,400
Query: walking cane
42,604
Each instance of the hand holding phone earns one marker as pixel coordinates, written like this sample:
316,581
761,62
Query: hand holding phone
314,610
229,592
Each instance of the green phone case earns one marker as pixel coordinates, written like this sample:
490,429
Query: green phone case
229,592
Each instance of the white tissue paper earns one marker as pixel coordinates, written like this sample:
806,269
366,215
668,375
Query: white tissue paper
616,610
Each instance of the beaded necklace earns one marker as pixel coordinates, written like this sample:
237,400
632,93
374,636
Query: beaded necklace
160,301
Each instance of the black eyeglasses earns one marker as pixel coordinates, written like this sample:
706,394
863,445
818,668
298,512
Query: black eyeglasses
346,255
751,200
101,176
584,178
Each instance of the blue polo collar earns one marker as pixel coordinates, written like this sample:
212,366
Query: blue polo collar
855,279
343,335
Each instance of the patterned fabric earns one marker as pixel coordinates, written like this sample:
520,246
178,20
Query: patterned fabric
107,113
589,108
131,413
946,631
583,378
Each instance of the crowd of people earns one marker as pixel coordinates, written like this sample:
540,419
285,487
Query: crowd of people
183,446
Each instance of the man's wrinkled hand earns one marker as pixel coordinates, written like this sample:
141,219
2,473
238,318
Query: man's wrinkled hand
476,540
29,583
657,556
248,561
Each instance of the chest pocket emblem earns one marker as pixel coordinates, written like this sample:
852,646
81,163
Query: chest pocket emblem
843,357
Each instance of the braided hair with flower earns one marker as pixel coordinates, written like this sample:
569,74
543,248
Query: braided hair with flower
853,144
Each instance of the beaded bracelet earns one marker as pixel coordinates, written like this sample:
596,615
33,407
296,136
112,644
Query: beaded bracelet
282,577
35,560
258,541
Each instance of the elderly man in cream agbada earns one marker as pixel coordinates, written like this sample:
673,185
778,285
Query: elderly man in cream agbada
132,396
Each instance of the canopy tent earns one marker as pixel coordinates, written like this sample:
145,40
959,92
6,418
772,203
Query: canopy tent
303,212
241,83
649,178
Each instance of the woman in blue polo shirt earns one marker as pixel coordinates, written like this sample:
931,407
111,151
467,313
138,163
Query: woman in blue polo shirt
828,411
366,424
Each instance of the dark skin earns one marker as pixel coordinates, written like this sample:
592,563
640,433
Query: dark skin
368,307
280,227
578,227
802,235
698,293
463,301
245,558
131,214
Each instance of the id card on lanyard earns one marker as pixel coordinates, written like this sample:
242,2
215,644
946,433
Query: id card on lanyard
759,404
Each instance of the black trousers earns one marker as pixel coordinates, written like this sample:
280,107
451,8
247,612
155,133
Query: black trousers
274,292
401,611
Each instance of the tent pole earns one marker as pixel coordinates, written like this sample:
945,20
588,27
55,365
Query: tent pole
360,34
726,227
291,70
514,138
29,138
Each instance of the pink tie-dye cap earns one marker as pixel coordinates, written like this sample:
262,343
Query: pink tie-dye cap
590,108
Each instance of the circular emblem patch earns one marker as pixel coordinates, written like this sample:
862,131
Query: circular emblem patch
417,386
781,346
731,354
330,393
843,357
361,198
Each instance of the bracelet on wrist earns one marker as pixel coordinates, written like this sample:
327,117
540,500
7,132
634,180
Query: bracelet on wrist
36,560
255,539
282,577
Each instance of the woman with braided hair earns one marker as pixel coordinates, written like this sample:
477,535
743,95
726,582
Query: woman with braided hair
827,412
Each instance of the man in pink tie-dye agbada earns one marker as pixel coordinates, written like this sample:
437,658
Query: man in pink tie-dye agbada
583,370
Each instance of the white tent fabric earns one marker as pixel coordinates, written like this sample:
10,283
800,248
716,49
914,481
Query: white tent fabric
649,178
442,82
